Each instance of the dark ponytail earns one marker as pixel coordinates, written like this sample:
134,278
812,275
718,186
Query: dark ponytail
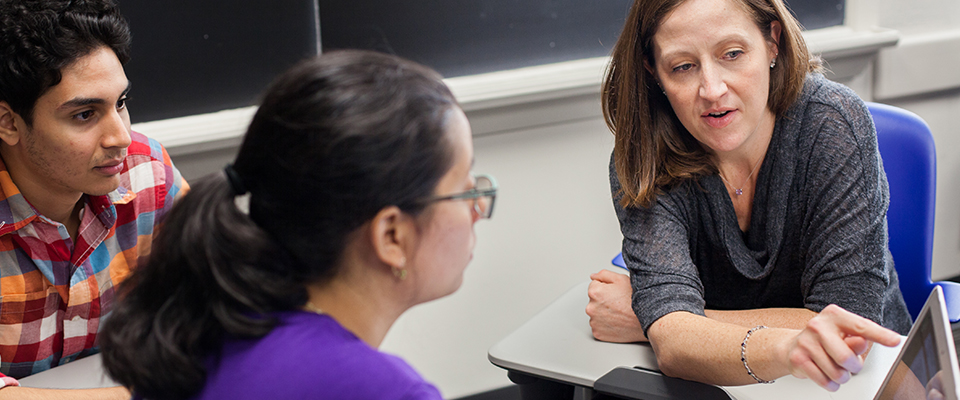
201,280
337,138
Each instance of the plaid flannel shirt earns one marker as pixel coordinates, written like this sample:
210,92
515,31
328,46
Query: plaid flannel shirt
55,292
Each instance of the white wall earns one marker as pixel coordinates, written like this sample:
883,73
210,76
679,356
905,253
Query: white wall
554,223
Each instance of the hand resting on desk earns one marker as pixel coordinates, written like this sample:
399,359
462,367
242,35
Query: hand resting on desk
611,317
825,347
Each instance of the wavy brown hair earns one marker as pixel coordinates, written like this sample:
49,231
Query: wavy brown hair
652,149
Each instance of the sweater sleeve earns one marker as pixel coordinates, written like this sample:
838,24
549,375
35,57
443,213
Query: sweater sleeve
844,227
657,254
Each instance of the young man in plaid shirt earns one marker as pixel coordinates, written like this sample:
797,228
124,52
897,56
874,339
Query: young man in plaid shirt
80,194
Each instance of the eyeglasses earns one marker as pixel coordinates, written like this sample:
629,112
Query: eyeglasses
483,195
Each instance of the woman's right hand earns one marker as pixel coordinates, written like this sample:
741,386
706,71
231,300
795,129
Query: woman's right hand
832,346
611,316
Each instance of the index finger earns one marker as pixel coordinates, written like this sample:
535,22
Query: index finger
853,324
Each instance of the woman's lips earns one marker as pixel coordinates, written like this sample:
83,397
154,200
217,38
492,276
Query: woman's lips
719,119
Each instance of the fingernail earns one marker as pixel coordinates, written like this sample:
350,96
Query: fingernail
844,378
833,386
853,364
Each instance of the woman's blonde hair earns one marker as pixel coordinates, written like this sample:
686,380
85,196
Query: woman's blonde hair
652,149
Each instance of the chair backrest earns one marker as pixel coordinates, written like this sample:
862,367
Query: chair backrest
910,161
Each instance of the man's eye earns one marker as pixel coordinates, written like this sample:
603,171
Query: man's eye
83,116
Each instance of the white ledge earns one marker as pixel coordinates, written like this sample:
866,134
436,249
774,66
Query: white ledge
840,41
495,90
202,132
537,83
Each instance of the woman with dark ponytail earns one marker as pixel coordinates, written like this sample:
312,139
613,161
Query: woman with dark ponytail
351,200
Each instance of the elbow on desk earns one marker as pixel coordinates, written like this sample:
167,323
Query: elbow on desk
672,363
683,360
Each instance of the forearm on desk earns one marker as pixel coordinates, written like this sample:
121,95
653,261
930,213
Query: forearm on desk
715,358
828,350
25,393
789,318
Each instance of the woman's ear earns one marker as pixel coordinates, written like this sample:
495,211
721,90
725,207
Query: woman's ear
9,126
393,235
650,70
653,72
775,30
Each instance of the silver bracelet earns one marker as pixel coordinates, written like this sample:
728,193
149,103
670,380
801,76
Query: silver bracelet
743,353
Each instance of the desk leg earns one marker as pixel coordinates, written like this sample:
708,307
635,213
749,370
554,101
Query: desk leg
582,393
535,388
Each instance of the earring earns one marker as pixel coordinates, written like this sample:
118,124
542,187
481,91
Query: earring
399,271
773,63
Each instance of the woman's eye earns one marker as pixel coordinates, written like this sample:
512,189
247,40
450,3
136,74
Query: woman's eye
681,68
733,55
122,103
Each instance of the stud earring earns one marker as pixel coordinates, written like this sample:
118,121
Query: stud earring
399,271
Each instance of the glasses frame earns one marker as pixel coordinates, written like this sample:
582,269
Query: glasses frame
475,195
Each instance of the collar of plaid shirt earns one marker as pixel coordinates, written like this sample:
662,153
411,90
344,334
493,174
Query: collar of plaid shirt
54,289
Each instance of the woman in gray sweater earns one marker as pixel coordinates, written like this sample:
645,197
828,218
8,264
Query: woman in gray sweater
750,195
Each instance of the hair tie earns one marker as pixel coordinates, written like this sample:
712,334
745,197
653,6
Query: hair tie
234,178
242,195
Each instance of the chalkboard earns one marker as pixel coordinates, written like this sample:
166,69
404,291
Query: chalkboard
193,57
816,14
464,37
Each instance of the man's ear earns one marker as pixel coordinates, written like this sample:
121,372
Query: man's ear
391,235
9,126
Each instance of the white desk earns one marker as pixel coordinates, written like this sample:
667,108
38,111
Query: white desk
557,344
85,373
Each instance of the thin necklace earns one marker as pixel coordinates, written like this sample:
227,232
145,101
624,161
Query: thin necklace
736,190
313,308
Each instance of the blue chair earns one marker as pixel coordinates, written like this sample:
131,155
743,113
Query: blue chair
910,161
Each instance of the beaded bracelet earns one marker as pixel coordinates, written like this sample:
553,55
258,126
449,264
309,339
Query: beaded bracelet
743,353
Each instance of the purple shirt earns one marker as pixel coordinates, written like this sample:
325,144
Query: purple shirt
310,356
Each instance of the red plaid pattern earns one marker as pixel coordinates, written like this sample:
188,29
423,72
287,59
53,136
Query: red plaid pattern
54,292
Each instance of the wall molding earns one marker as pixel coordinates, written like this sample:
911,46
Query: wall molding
522,98
921,63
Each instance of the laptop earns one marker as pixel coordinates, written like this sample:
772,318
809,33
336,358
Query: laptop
926,367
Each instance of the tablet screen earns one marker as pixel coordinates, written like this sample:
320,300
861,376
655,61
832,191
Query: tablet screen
917,374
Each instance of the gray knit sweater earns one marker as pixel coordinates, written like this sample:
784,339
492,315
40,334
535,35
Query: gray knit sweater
817,234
